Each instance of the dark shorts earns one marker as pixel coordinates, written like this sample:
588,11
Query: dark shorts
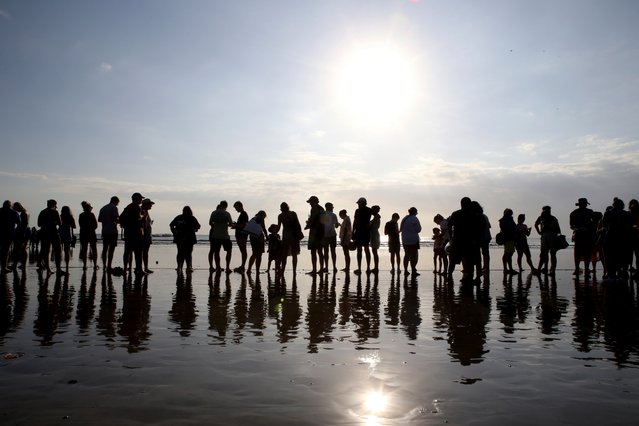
110,240
257,244
216,244
330,241
440,251
362,238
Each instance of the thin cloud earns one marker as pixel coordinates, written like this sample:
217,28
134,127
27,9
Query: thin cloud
4,14
105,67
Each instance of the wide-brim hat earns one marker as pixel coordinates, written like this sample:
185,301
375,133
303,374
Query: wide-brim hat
582,202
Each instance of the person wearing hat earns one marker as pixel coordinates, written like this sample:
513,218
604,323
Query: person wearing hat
547,226
133,221
148,232
88,239
362,233
315,233
584,234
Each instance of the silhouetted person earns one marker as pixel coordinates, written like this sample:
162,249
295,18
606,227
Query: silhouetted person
258,242
49,222
633,207
617,243
547,226
220,222
21,238
483,237
583,235
391,230
315,234
292,233
521,243
345,236
463,242
9,222
440,261
274,249
362,233
241,238
508,229
147,238
109,217
132,220
183,227
88,238
410,229
375,237
67,237
330,236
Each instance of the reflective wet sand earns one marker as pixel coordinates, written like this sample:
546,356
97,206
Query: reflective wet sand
333,349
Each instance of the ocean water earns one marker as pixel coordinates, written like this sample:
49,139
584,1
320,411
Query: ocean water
226,349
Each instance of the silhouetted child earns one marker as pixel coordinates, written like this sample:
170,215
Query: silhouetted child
392,230
440,260
274,248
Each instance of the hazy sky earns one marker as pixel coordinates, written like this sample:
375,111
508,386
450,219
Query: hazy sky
408,103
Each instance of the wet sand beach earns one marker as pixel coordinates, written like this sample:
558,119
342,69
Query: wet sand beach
232,349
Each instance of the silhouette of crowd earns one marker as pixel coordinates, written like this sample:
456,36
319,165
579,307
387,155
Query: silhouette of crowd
462,238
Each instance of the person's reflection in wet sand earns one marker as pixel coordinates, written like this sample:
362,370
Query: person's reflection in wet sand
133,323
507,306
345,307
240,309
219,306
588,320
620,322
551,307
257,306
469,315
320,313
13,302
183,312
86,302
391,311
365,309
410,317
443,301
285,309
105,322
54,310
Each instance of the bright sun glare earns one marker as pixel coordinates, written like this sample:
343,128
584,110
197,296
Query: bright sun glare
376,85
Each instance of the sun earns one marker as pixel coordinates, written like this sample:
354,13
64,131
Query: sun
375,85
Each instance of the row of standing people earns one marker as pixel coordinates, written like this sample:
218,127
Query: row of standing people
324,231
611,237
56,237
